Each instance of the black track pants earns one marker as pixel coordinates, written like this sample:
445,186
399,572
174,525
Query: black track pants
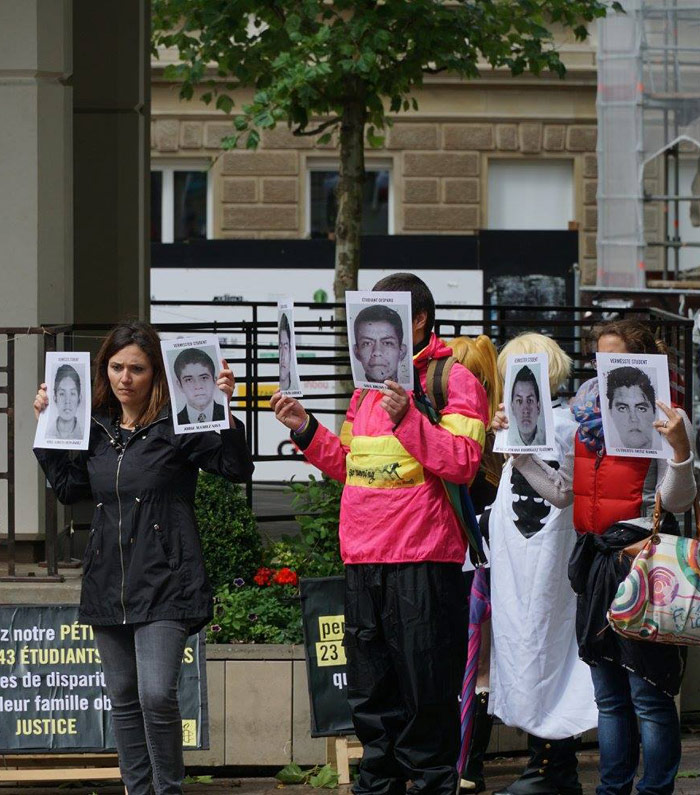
406,643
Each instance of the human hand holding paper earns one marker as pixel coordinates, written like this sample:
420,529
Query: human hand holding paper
395,401
41,401
288,411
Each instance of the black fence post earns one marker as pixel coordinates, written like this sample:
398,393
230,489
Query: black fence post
50,502
249,389
11,526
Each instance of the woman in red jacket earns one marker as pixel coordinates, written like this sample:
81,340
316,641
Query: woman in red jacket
613,498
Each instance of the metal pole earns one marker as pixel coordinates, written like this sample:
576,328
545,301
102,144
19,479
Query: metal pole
248,404
11,549
51,505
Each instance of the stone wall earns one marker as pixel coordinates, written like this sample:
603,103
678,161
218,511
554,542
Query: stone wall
439,171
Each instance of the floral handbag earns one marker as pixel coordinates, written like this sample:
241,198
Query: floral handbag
659,600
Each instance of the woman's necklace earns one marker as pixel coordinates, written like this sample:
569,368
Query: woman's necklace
120,437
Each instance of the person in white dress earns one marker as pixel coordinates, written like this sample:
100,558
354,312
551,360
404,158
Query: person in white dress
538,683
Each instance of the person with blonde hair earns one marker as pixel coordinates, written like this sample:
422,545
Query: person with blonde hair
537,682
635,682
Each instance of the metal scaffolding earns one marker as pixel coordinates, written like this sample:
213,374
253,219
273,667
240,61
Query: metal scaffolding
648,107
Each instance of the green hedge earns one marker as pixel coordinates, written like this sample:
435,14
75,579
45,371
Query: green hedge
231,544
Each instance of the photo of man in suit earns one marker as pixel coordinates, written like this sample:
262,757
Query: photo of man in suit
196,374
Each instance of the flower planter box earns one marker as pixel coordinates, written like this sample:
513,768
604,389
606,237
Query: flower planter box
258,708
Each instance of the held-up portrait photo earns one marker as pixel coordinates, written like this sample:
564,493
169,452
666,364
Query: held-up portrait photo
380,336
192,365
66,424
630,385
528,406
290,383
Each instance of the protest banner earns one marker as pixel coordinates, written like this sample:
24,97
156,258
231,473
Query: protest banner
323,606
52,689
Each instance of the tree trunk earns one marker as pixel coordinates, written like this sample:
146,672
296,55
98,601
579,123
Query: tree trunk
348,222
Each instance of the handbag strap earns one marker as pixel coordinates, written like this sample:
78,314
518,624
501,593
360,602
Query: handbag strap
658,511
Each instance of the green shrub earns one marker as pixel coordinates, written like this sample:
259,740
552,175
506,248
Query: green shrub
315,552
256,614
231,543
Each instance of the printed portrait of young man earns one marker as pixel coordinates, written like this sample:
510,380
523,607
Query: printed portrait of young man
379,343
195,372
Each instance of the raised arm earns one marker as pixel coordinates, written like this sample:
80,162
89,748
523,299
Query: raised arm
321,447
452,449
676,478
553,485
225,453
66,471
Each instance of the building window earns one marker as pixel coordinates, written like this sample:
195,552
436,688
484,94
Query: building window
322,205
530,194
181,202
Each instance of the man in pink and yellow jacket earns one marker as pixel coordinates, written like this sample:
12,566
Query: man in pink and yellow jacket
406,606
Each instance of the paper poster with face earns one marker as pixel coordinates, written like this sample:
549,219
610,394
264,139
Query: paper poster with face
192,365
630,384
528,406
380,336
290,383
65,424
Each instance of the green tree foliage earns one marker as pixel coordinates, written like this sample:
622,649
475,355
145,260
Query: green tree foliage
351,65
231,544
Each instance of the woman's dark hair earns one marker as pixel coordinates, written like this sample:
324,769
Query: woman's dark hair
143,335
421,298
637,336
67,371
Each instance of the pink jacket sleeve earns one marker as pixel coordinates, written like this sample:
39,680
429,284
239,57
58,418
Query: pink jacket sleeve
451,450
327,451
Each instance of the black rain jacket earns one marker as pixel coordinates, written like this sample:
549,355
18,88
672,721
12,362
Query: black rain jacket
596,569
143,561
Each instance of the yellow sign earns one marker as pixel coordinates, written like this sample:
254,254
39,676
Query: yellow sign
330,653
331,627
264,393
189,733
330,650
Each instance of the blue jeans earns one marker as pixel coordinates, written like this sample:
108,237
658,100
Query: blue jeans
624,698
141,664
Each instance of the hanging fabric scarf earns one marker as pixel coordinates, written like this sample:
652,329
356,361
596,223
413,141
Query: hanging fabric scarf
585,406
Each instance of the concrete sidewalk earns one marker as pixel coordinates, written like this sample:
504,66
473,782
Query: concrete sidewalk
499,772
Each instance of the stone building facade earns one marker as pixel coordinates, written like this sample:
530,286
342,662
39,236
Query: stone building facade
438,157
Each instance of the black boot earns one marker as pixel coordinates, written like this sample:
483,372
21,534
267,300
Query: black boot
472,779
551,769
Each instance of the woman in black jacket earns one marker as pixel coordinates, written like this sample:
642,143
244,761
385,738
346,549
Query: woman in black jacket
144,585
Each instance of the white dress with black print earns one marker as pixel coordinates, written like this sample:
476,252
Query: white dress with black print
538,683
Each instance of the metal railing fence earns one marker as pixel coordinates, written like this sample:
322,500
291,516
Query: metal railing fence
251,343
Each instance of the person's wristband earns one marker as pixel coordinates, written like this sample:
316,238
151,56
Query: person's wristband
304,425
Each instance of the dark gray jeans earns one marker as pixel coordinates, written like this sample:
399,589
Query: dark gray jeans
141,664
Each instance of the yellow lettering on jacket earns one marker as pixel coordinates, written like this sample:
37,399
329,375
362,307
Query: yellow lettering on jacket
381,462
